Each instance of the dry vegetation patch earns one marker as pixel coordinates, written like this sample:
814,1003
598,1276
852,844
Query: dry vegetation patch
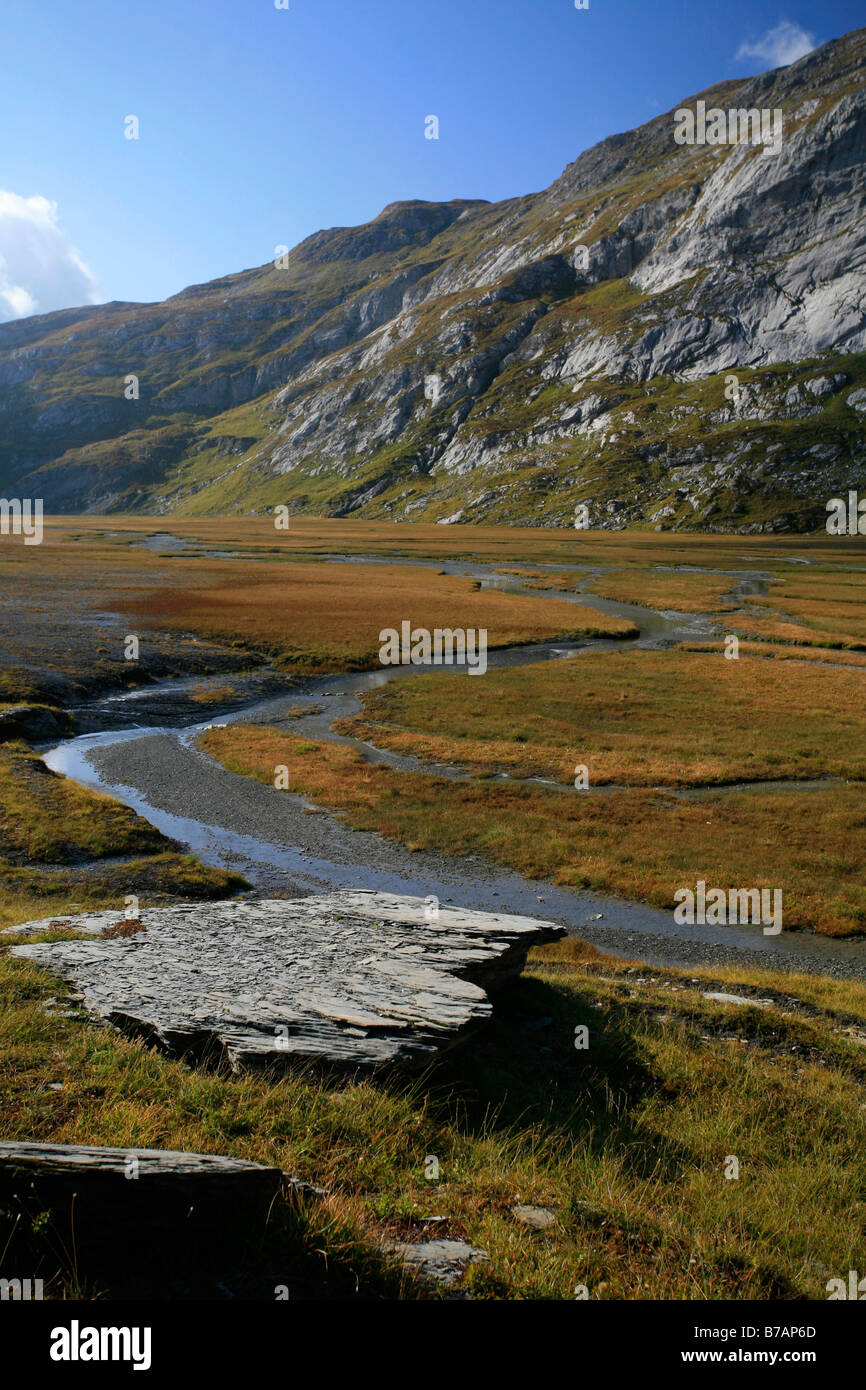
327,617
637,844
682,593
634,718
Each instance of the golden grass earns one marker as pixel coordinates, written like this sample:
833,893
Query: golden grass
214,694
47,821
103,559
325,535
683,593
817,608
626,1141
566,581
328,617
635,718
638,844
29,894
48,818
798,634
768,650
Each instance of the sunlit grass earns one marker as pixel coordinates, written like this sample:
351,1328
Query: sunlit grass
328,617
626,1140
64,848
684,593
637,844
635,718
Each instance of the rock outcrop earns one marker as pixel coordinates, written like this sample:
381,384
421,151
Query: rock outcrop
503,362
33,722
170,1185
352,979
139,1221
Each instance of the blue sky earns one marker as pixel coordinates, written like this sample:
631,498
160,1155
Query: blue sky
259,126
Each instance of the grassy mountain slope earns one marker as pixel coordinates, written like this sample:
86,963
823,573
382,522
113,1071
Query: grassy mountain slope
502,362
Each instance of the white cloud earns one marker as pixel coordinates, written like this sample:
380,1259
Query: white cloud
40,269
780,46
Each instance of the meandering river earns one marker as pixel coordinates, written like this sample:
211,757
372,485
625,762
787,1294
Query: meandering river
283,849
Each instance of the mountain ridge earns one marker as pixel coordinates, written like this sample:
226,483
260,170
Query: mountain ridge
560,376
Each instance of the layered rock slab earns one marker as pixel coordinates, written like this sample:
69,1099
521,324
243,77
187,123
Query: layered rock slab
167,1183
354,979
136,1218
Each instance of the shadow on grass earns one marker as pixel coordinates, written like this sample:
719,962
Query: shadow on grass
302,1251
524,1069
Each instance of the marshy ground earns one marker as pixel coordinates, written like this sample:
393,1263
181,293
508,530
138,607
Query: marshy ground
745,772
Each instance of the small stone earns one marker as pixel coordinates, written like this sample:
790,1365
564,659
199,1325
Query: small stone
720,998
444,1260
536,1218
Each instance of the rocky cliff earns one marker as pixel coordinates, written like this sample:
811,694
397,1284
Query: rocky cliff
672,334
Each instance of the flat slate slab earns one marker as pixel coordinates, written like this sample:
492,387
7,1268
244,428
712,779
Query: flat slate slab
76,1160
357,979
112,1206
55,1170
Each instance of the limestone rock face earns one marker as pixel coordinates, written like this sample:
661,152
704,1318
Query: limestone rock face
354,979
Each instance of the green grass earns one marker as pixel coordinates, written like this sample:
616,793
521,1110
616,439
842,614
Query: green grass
626,1141
46,817
65,849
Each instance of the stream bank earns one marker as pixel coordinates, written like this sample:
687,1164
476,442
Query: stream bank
281,849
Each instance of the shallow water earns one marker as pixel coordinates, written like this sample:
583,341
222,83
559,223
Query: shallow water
221,836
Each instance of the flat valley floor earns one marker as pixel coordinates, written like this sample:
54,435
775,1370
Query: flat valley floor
196,709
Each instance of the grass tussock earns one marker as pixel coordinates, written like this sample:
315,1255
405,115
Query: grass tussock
66,849
50,819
